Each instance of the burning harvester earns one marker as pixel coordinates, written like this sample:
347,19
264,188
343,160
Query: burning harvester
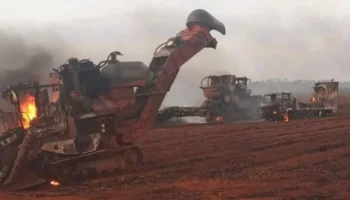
85,122
227,99
285,107
26,97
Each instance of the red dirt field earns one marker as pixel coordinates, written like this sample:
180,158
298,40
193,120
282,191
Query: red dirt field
262,161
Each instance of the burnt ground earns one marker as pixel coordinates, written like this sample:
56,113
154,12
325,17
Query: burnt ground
307,159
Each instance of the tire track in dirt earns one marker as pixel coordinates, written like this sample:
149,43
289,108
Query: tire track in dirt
295,160
233,131
187,148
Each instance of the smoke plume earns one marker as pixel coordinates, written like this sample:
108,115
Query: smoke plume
24,60
264,40
21,61
307,45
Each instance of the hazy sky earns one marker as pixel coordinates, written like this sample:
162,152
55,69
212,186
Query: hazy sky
299,39
43,11
265,39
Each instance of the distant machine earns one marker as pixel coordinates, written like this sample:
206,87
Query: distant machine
284,106
228,99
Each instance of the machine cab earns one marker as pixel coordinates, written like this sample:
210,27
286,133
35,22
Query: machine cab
269,98
31,101
283,100
218,81
242,82
277,97
214,86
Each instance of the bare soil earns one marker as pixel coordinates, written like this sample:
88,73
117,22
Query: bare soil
307,159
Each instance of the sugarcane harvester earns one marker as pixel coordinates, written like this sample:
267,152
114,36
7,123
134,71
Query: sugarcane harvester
227,99
88,128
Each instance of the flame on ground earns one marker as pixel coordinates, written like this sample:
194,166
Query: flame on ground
28,110
219,119
286,118
55,183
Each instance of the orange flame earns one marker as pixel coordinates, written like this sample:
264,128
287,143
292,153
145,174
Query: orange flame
28,110
218,119
286,118
313,100
55,183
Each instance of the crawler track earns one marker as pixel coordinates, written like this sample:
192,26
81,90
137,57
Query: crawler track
261,161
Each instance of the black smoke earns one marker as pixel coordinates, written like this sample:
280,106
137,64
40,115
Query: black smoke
25,60
22,60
